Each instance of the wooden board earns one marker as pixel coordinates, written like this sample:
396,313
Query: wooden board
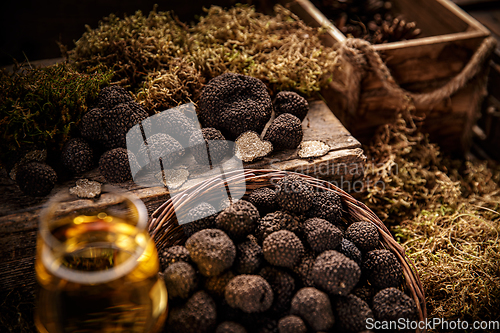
343,164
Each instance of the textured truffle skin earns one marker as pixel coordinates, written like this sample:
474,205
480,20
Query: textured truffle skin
294,194
391,304
248,257
173,254
314,307
77,156
209,147
36,179
239,219
383,269
283,286
279,220
353,312
198,315
292,324
285,132
180,280
326,205
235,103
249,293
212,250
364,235
303,269
321,235
350,250
264,199
111,96
291,102
176,124
114,165
230,327
282,248
160,146
202,217
216,285
335,273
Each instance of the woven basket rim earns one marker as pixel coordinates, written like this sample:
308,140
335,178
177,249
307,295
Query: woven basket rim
165,230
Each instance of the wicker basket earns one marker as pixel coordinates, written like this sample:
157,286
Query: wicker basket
165,230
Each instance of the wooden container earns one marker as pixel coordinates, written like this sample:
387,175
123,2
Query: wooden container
448,42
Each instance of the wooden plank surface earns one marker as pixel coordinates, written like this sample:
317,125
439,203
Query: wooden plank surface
19,214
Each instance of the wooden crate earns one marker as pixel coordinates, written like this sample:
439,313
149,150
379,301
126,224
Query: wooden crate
448,41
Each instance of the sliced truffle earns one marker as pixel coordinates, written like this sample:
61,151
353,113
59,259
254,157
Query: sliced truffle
216,285
292,324
350,250
285,132
239,219
173,254
160,147
282,248
36,179
198,218
111,96
383,269
290,102
334,273
230,327
198,315
353,313
209,147
248,257
283,286
235,103
294,194
172,178
326,205
176,124
314,148
212,250
250,147
180,280
249,293
86,189
364,235
391,304
314,307
115,164
321,235
264,199
279,220
77,156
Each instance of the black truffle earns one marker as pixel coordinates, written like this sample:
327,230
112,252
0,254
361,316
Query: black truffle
335,273
180,279
264,199
249,147
176,124
173,254
212,250
292,324
249,293
36,179
383,269
111,96
391,304
77,156
282,248
353,313
290,102
198,315
160,146
235,103
314,307
365,292
198,218
115,165
304,269
216,285
283,286
321,235
364,235
294,194
209,147
279,220
248,257
230,327
285,132
239,219
326,205
350,250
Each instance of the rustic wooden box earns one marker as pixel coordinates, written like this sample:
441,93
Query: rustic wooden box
448,41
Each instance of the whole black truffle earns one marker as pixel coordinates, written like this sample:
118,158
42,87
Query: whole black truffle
304,269
391,304
294,194
282,248
173,254
249,293
180,279
353,313
115,164
216,285
112,95
383,269
285,132
291,102
235,103
321,235
212,250
326,205
364,235
292,324
198,218
209,147
335,273
239,219
314,307
36,179
279,220
160,146
77,156
350,250
264,199
230,327
283,286
198,315
248,257
176,124
366,292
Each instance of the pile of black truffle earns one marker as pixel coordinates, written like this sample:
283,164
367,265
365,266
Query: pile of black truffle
283,260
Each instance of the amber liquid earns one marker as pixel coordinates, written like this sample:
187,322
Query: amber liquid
101,278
